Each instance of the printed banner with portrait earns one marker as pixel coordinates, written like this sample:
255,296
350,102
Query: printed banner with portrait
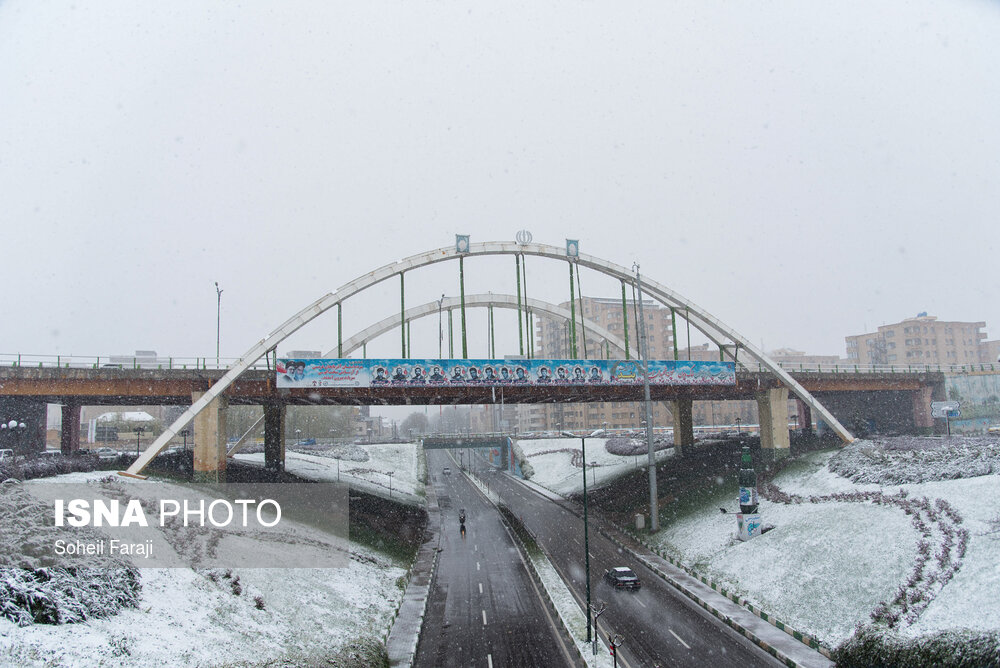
333,373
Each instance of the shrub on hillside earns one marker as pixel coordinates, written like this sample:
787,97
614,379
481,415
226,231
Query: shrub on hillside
900,460
34,588
872,647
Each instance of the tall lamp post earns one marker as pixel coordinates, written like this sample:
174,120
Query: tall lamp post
138,432
218,322
586,536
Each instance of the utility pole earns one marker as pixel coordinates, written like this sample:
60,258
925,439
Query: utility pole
654,509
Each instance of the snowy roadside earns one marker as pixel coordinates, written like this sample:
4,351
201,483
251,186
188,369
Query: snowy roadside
237,617
552,460
370,475
835,554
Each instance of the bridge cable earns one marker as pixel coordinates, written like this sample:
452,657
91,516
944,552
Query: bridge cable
402,316
625,319
572,313
461,289
583,327
520,326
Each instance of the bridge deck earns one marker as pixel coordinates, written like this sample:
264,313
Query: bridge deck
174,386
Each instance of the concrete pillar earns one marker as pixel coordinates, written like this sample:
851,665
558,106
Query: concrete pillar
922,419
772,407
210,440
805,416
69,440
681,410
274,437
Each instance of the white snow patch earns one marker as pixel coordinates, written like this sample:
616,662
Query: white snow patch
825,566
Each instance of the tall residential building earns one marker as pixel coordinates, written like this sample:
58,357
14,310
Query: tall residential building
554,340
920,340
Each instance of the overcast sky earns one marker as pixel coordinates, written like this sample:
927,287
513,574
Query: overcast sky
802,170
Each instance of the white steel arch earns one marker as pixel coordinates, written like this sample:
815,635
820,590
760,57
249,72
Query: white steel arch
475,301
701,319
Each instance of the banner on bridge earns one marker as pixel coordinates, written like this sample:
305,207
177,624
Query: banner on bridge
334,373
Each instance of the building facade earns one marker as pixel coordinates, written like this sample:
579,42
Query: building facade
922,339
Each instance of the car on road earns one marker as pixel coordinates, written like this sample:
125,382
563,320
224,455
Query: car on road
446,470
622,577
50,454
6,455
106,453
993,430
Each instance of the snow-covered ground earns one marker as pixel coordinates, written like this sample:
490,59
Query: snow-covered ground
552,460
829,562
372,475
189,618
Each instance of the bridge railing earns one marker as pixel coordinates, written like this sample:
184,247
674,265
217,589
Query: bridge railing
118,362
223,363
846,368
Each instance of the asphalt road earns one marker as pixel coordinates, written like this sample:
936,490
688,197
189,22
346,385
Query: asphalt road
483,608
660,626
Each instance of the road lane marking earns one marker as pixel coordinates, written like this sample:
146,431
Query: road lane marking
640,603
676,636
489,660
484,622
480,587
477,565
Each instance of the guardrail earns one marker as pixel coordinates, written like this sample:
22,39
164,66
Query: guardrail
875,368
224,363
119,362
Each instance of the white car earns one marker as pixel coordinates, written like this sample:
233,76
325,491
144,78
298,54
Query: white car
107,453
6,455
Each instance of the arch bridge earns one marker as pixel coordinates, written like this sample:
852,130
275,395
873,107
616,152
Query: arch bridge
730,343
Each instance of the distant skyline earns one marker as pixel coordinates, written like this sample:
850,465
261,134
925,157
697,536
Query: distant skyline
802,172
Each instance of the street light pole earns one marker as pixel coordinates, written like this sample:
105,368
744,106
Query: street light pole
586,535
654,508
218,322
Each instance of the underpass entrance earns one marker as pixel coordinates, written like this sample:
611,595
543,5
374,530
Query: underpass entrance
495,450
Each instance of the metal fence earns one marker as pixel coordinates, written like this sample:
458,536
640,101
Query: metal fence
224,363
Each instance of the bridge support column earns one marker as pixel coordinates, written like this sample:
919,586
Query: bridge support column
69,440
772,406
922,419
683,420
274,436
210,440
805,416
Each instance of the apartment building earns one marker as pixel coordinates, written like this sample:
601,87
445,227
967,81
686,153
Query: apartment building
554,340
922,339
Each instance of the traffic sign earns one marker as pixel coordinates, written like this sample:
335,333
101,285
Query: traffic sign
940,409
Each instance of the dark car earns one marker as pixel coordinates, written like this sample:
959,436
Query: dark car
622,578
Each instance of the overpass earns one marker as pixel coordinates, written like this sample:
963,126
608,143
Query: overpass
900,395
